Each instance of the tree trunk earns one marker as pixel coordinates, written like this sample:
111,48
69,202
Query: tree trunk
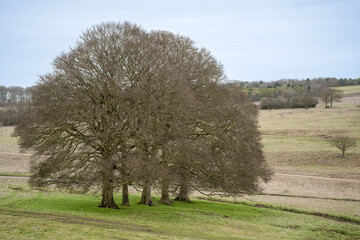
125,195
146,195
184,191
165,198
107,200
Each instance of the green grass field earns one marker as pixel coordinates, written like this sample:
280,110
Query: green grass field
31,214
296,141
351,89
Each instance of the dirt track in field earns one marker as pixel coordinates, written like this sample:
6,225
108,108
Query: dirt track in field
295,211
79,220
276,174
14,153
316,177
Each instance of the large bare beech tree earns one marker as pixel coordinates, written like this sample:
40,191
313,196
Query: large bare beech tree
80,121
129,106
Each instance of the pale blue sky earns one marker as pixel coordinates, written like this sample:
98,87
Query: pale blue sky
254,39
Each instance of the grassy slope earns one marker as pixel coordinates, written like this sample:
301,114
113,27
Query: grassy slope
201,220
350,89
11,162
297,140
7,142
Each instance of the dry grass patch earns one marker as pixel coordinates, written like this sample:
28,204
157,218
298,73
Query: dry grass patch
322,163
8,143
318,194
348,208
14,164
325,158
298,140
350,89
319,122
7,185
293,185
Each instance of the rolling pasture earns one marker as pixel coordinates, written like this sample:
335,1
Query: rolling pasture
297,146
314,193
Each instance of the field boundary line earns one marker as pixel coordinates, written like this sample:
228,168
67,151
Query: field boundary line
78,220
303,196
13,176
316,177
14,153
338,218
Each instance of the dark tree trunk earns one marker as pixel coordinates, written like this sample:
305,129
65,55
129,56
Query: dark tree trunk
125,195
107,200
107,175
165,198
146,195
184,191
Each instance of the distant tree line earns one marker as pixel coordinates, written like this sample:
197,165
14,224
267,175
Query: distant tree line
293,93
12,101
313,83
11,96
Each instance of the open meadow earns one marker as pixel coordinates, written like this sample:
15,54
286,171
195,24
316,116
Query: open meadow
30,214
314,193
297,147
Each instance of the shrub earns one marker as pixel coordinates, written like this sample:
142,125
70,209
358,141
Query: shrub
302,101
273,103
344,143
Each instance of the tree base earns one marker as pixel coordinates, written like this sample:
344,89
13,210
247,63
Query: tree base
183,199
166,202
113,206
146,203
125,204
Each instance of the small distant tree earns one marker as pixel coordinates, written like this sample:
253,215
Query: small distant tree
329,95
344,143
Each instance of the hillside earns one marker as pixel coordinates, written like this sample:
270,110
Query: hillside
296,141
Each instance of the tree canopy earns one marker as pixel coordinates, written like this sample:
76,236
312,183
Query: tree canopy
126,106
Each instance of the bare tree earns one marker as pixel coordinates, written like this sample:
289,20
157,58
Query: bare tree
329,95
79,121
344,143
127,106
3,94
